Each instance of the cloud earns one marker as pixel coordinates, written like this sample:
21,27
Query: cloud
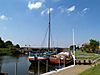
67,10
71,9
46,11
34,5
83,11
62,9
4,18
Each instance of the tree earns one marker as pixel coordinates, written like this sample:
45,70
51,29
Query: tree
85,47
17,46
94,44
2,44
8,44
71,47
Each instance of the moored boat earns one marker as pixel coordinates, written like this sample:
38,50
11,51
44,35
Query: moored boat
38,56
42,56
61,58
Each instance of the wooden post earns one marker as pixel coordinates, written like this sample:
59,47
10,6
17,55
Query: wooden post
59,62
46,65
64,61
38,67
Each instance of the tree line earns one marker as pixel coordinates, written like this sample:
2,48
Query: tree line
8,48
7,44
91,46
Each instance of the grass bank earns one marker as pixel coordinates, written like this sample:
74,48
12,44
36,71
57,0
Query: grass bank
92,71
84,55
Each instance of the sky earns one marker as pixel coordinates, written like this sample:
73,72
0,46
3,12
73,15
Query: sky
25,22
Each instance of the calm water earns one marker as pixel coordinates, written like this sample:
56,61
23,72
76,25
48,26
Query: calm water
21,66
14,66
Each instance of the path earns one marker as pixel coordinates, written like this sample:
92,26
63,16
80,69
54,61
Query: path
73,71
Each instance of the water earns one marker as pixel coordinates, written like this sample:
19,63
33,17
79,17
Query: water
14,65
21,66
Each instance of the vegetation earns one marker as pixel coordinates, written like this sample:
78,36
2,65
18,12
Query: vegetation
84,55
74,46
2,44
92,71
7,48
91,46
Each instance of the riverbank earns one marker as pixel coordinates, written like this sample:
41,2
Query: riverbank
9,51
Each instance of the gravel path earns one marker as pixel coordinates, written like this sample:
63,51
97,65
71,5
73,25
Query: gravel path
76,70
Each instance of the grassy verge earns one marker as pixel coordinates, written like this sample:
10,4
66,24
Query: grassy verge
92,71
84,55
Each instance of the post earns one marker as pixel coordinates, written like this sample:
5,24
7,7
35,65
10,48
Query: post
64,61
59,62
46,65
38,67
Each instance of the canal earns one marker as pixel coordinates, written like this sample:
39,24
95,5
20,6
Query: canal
21,66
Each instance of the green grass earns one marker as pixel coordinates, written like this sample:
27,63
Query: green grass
92,71
84,55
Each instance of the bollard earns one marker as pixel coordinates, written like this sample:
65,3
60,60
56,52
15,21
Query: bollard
79,62
84,62
90,61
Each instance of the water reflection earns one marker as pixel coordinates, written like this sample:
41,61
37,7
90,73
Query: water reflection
40,68
34,69
21,66
14,66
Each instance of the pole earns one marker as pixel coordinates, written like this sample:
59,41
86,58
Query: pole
73,47
59,62
64,61
49,31
38,67
47,66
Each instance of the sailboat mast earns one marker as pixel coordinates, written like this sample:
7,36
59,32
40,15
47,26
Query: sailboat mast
73,47
49,31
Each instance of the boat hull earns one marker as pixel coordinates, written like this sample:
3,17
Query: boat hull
34,60
56,61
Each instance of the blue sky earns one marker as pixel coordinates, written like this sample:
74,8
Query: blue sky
26,21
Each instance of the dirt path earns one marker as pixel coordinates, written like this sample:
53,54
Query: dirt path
73,71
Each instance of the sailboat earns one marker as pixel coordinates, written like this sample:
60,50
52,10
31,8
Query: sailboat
53,58
41,56
63,57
